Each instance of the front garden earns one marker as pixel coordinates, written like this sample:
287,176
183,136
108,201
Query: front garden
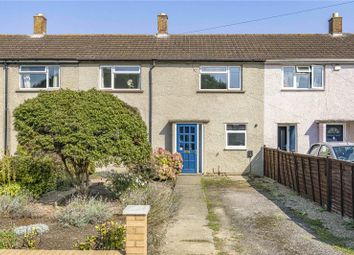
51,194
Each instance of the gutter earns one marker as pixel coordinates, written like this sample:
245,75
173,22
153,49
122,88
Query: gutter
152,66
6,68
311,60
30,61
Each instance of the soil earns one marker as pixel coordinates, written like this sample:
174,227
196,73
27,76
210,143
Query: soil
59,237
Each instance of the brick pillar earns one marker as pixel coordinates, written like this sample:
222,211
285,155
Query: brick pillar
136,220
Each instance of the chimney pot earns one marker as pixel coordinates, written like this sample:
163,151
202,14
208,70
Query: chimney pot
335,24
40,24
162,23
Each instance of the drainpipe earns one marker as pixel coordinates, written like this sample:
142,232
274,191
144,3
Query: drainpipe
6,67
150,100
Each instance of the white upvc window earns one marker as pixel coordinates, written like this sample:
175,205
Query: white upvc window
303,77
236,136
120,77
220,78
39,76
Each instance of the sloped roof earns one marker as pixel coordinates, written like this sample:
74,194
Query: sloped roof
214,47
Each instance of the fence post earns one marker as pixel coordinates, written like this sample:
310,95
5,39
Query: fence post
353,191
329,184
341,189
136,220
296,174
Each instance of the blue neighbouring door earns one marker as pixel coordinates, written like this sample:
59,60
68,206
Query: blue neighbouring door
187,145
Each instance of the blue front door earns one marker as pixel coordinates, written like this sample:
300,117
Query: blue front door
187,145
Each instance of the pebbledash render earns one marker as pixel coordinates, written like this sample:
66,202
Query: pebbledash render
216,99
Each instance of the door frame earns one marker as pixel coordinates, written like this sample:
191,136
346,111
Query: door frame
287,126
199,144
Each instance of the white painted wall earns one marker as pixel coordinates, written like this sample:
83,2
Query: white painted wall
336,101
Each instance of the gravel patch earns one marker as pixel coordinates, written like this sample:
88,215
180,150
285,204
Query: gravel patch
257,216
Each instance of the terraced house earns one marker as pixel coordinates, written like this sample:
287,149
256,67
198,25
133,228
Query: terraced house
216,99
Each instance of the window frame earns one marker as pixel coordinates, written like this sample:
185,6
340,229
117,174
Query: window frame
337,124
287,126
295,68
46,72
235,147
112,67
227,72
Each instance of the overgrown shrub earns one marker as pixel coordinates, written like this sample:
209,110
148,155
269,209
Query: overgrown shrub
82,128
121,182
82,211
164,205
110,236
163,165
168,165
8,239
37,175
15,206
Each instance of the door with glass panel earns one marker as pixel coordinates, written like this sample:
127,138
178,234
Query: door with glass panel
187,146
287,137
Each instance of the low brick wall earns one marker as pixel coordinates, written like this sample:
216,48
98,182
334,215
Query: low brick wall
49,252
136,240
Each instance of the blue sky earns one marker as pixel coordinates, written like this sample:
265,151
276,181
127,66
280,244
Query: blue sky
139,17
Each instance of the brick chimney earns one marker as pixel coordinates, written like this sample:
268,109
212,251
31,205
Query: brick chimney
335,24
162,22
40,24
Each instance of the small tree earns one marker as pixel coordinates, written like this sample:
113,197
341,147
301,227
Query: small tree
82,128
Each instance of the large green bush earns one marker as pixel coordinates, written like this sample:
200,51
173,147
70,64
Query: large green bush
37,175
82,128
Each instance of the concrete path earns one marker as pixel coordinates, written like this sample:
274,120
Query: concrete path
189,232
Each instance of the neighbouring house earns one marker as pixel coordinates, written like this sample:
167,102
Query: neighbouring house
309,92
216,99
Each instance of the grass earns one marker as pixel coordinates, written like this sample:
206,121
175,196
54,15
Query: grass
323,233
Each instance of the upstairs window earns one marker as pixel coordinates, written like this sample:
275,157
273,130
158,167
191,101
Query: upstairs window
39,77
220,77
120,77
235,136
303,77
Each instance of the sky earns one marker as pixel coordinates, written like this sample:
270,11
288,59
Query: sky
139,17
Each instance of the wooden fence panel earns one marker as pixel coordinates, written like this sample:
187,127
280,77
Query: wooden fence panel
328,182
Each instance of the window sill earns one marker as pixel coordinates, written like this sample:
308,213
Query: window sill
123,90
34,90
220,91
235,149
302,90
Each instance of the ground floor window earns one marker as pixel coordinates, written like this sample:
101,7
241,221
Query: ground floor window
334,132
287,137
235,136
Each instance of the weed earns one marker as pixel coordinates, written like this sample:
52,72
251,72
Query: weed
323,233
110,236
31,239
8,239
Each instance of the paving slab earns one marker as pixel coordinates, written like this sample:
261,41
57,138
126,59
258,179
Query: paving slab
189,233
